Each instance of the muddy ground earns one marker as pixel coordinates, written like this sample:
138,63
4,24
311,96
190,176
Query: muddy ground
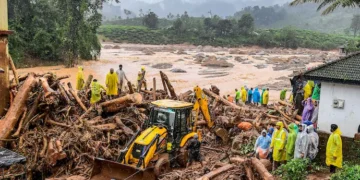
226,68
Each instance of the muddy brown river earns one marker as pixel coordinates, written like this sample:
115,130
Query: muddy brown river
227,79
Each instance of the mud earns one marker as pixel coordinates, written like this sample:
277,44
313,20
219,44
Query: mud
131,56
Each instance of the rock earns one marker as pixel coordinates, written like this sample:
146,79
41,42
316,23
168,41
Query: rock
210,58
179,60
148,52
162,66
236,51
116,47
247,62
216,63
199,55
199,59
108,47
223,58
177,70
181,51
241,59
221,54
261,53
261,66
280,67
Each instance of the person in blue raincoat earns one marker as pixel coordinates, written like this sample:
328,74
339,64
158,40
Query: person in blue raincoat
262,145
250,94
256,96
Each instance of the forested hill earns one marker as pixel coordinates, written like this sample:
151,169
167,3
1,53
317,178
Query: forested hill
303,16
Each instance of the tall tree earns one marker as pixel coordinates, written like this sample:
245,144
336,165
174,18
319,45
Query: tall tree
224,27
151,20
329,5
246,24
355,24
127,13
178,26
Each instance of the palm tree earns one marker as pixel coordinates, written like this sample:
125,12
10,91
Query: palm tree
330,5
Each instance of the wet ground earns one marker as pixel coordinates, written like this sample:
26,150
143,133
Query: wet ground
253,67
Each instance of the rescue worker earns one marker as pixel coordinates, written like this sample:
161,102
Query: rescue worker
299,99
316,94
121,75
290,143
334,155
141,79
301,143
315,115
283,94
95,92
194,151
230,98
278,142
80,82
262,145
256,96
266,97
313,144
308,89
262,96
111,84
243,95
250,95
237,96
308,110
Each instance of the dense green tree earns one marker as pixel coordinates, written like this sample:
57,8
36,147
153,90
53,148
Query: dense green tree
288,38
266,39
246,24
178,26
224,27
355,24
151,20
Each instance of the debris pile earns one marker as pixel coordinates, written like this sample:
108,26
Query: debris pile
60,134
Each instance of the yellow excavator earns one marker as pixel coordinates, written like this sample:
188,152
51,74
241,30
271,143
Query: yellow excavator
169,128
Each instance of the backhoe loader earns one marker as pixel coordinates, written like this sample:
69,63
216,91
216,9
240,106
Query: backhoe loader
148,154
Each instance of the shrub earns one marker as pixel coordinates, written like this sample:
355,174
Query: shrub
348,173
296,169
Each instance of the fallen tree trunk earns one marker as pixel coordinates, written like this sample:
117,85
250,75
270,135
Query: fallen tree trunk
260,168
224,101
105,127
216,172
168,84
285,103
116,104
13,68
237,160
126,129
14,112
154,89
78,100
131,89
63,93
88,82
17,133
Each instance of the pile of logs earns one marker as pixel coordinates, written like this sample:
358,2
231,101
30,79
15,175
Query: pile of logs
58,131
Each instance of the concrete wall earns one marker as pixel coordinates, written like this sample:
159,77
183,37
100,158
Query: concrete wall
348,119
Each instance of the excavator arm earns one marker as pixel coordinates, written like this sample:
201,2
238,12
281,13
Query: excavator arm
201,105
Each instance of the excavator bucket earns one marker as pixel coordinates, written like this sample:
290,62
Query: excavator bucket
223,134
110,170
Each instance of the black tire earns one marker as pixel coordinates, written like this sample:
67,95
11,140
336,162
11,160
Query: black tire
162,166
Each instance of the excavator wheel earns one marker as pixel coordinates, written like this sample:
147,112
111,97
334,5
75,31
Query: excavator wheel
183,155
162,166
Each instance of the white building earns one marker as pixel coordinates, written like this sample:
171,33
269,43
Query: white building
340,94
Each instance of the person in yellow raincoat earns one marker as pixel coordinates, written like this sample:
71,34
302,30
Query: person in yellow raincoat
111,84
141,79
308,89
80,82
278,143
266,97
243,94
96,92
334,155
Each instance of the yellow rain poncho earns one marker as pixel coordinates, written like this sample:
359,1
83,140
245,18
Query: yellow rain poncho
243,95
334,149
278,143
111,84
80,82
308,89
96,92
266,97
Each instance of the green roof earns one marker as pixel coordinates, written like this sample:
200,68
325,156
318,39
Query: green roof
344,70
